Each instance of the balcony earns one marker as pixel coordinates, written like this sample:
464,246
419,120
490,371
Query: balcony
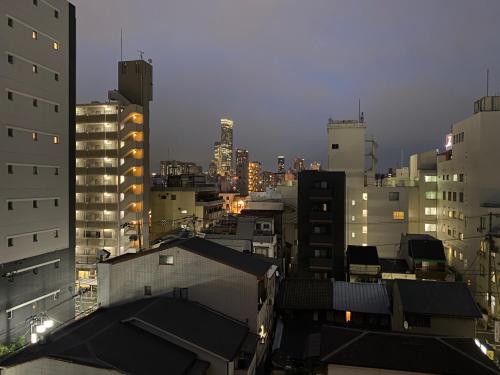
321,263
110,153
96,206
129,147
320,216
97,224
129,164
322,194
98,242
96,118
217,202
97,171
97,136
91,188
128,128
320,239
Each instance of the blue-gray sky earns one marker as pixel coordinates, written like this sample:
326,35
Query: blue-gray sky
281,68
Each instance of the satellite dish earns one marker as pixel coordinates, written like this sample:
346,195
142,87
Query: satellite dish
405,325
150,61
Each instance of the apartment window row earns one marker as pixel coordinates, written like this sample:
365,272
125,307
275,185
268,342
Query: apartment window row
430,195
35,33
429,178
35,168
11,204
34,135
452,214
452,196
430,211
34,67
429,227
56,11
34,236
458,138
34,101
455,177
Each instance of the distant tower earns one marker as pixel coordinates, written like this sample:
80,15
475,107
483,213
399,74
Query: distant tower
242,171
298,165
216,159
255,176
226,147
281,164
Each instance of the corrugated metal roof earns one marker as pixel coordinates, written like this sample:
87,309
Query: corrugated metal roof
360,297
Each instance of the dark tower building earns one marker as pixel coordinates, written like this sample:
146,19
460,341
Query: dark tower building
242,171
321,219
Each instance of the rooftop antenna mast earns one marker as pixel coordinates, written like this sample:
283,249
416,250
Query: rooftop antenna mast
359,109
141,54
487,82
121,44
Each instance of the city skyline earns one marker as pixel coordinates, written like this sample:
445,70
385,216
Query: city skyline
412,87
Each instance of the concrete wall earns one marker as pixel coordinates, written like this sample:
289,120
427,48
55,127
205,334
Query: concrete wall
45,366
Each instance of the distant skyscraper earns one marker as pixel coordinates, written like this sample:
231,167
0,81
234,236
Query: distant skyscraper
226,147
298,165
255,176
281,164
242,171
216,159
37,220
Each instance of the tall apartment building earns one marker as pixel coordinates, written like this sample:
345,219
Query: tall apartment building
379,211
254,176
242,171
37,112
112,171
281,164
216,159
468,190
226,166
321,224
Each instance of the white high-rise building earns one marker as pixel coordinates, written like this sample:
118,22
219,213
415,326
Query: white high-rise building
468,190
226,166
37,199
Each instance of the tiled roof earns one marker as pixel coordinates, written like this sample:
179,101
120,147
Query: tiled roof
370,298
306,294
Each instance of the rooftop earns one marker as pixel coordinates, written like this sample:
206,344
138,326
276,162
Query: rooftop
139,337
393,265
437,298
307,294
424,247
370,298
395,351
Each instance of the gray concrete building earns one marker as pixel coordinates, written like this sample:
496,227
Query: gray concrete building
37,199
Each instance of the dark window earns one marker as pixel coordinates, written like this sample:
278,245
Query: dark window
418,320
10,95
35,204
56,171
444,195
394,195
10,59
56,108
163,196
56,76
10,242
461,196
10,22
10,132
35,237
10,169
147,290
35,170
335,146
56,235
35,68
173,197
124,68
56,13
35,103
454,196
449,195
35,2
461,177
56,202
10,206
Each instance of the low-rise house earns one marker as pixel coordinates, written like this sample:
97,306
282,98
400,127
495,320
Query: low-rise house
362,264
424,255
239,284
395,268
147,336
434,307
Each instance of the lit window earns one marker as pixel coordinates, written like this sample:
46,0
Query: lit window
364,229
429,227
34,35
353,202
430,195
56,45
455,177
430,178
430,210
364,244
365,213
461,256
365,196
353,235
353,218
398,215
347,316
55,139
184,211
167,259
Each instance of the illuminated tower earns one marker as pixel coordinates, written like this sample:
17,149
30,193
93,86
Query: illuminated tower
226,147
281,164
242,171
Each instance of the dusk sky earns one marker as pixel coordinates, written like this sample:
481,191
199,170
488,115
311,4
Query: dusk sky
281,68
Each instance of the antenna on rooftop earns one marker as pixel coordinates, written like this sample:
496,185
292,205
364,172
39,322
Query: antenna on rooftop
359,109
121,44
487,82
141,54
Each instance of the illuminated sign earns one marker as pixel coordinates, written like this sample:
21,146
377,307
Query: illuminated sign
448,143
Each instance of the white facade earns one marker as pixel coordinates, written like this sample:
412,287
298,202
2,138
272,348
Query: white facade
467,185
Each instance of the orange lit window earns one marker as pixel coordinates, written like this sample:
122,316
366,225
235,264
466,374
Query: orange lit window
398,215
347,316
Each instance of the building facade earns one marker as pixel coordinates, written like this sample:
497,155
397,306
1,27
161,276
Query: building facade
37,108
281,164
176,168
242,162
321,224
226,147
112,171
255,177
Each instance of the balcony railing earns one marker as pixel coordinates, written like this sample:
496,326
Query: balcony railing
320,239
320,193
320,216
321,263
96,136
